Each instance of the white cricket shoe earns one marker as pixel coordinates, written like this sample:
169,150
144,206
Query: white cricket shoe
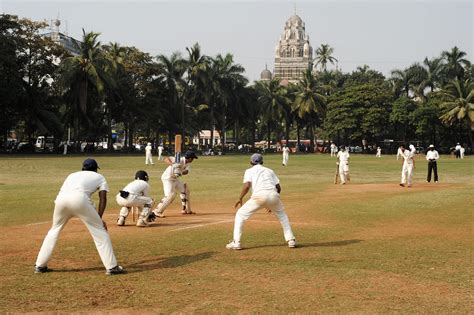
158,214
233,245
292,243
142,223
121,221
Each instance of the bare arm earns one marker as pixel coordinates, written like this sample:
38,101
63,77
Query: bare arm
168,161
245,190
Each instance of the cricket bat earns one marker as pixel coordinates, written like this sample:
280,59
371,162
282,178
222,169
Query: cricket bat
177,148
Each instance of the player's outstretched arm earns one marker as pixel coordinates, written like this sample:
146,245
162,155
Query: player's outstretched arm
245,190
168,161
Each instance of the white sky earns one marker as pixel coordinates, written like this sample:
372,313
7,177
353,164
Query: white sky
383,34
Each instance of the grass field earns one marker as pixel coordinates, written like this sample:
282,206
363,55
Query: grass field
367,247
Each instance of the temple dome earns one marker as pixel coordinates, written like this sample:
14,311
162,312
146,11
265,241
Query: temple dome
295,19
266,74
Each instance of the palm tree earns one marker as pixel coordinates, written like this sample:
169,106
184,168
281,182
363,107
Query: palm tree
309,102
402,81
323,56
455,63
77,73
460,105
272,97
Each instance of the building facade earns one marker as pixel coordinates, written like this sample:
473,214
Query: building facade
293,53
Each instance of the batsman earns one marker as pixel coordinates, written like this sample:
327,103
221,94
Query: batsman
177,167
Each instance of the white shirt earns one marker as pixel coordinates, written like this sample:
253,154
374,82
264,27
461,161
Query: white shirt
261,179
138,187
343,156
286,151
407,156
379,150
432,155
168,173
160,149
148,149
458,147
86,182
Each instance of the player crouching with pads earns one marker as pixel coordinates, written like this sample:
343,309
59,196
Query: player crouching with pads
172,184
266,189
135,194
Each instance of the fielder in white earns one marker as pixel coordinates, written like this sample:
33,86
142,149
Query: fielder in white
266,189
74,200
286,153
135,194
379,152
408,165
333,149
148,155
343,162
160,152
172,184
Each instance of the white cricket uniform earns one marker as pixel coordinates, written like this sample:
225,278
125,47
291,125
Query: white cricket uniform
171,185
148,155
379,152
138,197
399,153
264,195
286,153
333,149
343,157
407,168
461,152
160,151
74,200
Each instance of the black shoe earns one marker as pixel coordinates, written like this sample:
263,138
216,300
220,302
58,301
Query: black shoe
42,269
115,271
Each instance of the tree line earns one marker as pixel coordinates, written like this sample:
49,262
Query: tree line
44,90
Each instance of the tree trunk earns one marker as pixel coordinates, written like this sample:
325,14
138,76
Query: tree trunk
109,129
268,135
212,127
298,138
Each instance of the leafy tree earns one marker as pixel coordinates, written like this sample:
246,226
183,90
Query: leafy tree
455,63
324,56
399,117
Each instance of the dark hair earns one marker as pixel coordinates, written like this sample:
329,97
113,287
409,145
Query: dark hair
142,175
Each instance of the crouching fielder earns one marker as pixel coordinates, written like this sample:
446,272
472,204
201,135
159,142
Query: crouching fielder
135,194
172,184
265,194
343,162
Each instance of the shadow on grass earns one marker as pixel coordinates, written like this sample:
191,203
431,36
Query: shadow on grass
170,262
324,244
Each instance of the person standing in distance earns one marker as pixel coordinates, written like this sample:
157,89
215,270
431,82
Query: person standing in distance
74,200
343,162
172,184
135,194
379,152
462,151
160,152
266,190
408,165
286,153
432,156
333,149
148,155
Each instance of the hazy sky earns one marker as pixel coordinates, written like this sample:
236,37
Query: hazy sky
383,34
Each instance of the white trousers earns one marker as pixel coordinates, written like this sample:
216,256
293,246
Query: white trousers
285,158
343,171
333,152
407,173
269,200
80,206
159,155
133,201
170,188
378,154
148,158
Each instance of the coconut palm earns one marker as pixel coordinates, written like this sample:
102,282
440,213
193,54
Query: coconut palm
309,101
460,105
324,56
402,81
455,63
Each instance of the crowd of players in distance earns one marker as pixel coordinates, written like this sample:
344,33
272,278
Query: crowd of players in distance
74,198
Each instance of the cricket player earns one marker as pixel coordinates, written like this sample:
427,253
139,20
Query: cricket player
408,165
343,162
399,153
160,152
286,153
135,194
148,155
432,157
462,152
266,190
333,149
74,200
379,152
172,184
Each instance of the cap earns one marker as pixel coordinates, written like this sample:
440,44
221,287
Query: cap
190,155
141,175
256,158
149,143
89,165
431,146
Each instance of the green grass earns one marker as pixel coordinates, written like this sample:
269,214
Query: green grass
367,247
